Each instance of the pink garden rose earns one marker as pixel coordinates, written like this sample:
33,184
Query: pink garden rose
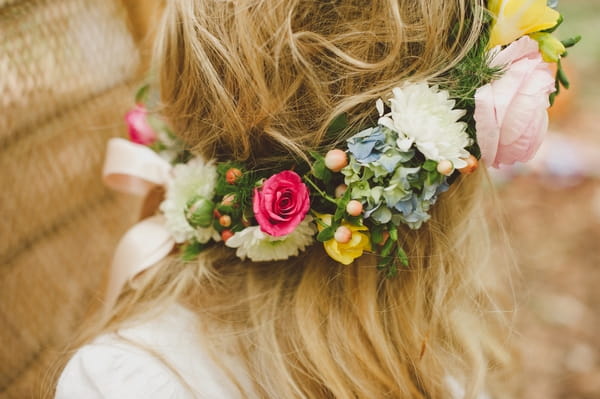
511,113
140,131
281,203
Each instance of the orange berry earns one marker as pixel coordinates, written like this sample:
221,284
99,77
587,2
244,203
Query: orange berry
354,208
232,175
225,220
336,160
226,235
472,164
340,190
343,235
386,236
445,168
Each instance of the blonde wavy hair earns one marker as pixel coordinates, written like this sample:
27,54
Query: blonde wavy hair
260,81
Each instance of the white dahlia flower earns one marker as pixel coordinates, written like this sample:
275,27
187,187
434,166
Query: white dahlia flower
189,180
252,243
425,116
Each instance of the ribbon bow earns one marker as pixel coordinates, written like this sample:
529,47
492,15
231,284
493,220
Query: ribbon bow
135,169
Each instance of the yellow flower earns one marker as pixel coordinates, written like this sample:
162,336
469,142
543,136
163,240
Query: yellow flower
550,47
516,18
345,253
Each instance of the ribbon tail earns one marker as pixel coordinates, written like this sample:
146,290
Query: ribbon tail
145,244
133,168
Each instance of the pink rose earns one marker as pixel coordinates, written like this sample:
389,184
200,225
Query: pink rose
281,203
140,131
511,113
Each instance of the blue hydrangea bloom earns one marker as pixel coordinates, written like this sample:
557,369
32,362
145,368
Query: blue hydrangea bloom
413,212
367,145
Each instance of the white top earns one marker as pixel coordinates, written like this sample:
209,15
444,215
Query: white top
122,366
113,366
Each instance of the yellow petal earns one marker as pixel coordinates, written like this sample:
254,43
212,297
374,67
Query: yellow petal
516,18
494,6
333,250
322,219
366,242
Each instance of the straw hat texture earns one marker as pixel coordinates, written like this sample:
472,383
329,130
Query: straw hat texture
68,71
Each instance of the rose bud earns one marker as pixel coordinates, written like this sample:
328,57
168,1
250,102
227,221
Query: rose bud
228,200
232,175
140,131
199,212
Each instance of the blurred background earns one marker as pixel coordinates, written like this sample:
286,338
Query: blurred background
552,210
68,71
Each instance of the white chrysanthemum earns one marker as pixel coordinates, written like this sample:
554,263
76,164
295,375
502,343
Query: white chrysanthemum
426,116
190,179
252,243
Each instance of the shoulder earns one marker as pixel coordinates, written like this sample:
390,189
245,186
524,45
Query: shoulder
111,369
161,357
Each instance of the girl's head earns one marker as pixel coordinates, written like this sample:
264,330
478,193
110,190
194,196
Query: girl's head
260,81
249,79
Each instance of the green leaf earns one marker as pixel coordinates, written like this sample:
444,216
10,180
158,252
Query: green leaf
384,263
377,234
432,177
316,155
326,234
337,125
562,77
392,270
354,220
191,251
393,230
321,172
430,165
341,206
570,42
401,254
556,93
142,94
555,27
387,248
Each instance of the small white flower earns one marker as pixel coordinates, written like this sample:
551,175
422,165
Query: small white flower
426,116
190,179
252,243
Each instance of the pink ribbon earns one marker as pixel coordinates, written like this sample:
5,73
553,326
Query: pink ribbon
135,169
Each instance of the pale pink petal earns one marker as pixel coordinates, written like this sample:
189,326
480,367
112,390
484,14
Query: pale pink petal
523,48
527,145
518,101
486,125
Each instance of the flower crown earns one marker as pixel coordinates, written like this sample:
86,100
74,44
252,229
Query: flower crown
354,199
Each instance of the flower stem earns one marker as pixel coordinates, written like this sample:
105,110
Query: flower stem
321,192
